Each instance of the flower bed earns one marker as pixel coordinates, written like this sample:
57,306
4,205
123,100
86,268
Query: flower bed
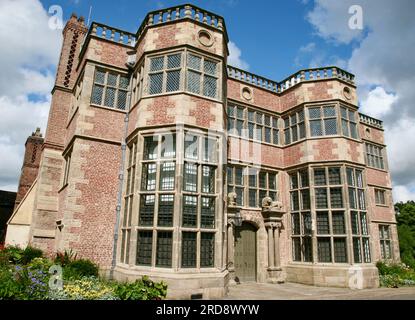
394,275
28,275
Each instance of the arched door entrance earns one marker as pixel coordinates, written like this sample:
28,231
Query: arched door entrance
245,252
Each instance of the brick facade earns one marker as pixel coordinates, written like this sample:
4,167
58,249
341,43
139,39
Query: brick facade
84,178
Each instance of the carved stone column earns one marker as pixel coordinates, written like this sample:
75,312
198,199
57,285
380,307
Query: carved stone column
231,254
277,245
270,247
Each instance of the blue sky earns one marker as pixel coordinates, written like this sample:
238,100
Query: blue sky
271,38
269,33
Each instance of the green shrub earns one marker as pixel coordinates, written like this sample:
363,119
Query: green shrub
394,275
10,289
143,289
80,268
29,253
14,253
64,258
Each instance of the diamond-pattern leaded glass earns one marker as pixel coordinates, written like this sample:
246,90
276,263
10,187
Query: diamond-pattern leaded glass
209,86
194,62
207,249
174,61
112,79
315,128
173,81
122,99
330,126
164,249
329,111
193,82
97,94
109,97
189,249
144,247
156,83
314,113
124,81
156,64
210,67
99,76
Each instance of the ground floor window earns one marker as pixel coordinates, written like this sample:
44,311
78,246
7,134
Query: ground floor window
385,242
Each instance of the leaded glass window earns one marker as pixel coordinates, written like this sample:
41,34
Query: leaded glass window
374,156
385,242
165,73
110,89
144,248
348,120
202,76
323,121
164,249
189,249
294,127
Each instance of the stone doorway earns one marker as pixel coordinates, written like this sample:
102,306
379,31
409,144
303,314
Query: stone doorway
245,253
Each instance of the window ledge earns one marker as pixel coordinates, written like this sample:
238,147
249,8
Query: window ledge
107,108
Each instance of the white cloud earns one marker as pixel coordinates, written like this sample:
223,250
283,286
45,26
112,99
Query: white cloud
378,102
382,60
403,193
234,58
29,53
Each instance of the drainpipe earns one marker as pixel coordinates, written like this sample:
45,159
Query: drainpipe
121,174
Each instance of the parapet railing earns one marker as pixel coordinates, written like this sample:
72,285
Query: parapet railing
370,121
112,34
300,76
186,11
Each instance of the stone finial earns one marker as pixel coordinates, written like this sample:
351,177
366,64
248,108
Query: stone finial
37,133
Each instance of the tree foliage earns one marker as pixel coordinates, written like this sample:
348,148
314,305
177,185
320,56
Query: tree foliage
406,231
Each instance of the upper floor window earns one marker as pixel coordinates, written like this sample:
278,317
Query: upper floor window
165,73
137,84
385,242
251,185
68,158
294,127
349,125
323,121
374,156
251,124
380,196
110,89
202,76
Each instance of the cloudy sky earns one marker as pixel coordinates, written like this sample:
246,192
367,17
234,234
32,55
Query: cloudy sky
268,37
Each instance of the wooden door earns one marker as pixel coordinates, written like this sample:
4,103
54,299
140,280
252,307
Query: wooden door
245,252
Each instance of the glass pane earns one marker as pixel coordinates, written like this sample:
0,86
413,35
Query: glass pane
355,222
363,223
164,249
366,250
330,126
209,86
353,130
345,127
124,81
166,208
338,224
210,67
174,61
189,211
315,128
350,177
336,198
301,128
167,175
323,223
190,177
308,249
295,220
334,176
287,136
267,135
144,247
275,136
150,148
122,100
305,199
340,251
293,181
253,195
320,177
239,179
239,196
109,97
208,179
352,198
357,250
96,97
191,146
156,83
194,62
307,223
272,181
207,249
146,215
262,179
343,112
314,113
168,146
188,249
193,82
112,79
148,182
329,112
324,249
294,201
99,76
207,218
156,64
209,150
173,81
296,249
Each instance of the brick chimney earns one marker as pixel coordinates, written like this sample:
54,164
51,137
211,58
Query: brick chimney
31,161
